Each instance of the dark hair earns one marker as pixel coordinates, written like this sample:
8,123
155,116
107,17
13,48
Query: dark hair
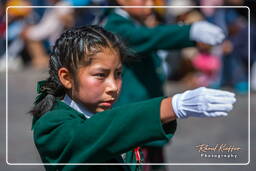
73,48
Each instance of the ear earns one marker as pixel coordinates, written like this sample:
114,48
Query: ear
65,77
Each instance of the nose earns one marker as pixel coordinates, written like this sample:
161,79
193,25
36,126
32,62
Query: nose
113,86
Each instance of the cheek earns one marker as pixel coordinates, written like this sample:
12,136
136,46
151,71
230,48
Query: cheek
91,89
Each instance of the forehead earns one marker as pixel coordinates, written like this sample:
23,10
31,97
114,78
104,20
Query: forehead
106,56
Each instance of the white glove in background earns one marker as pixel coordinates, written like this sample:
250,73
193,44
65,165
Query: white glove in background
203,102
206,32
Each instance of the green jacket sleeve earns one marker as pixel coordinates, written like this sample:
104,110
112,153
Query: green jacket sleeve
144,39
64,137
169,128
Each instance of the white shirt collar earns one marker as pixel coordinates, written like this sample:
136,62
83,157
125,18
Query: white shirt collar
122,13
77,107
126,15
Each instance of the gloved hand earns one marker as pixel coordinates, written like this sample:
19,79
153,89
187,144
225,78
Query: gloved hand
203,102
206,32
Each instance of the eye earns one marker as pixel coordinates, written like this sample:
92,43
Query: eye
118,74
100,75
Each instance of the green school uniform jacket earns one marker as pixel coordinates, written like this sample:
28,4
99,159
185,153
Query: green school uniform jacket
143,79
64,135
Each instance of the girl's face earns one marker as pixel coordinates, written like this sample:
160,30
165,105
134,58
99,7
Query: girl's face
99,83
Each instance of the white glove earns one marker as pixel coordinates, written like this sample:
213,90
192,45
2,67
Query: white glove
206,32
203,102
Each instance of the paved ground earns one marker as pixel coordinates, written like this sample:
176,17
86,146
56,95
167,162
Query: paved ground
232,130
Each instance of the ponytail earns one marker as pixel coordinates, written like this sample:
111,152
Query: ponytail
48,91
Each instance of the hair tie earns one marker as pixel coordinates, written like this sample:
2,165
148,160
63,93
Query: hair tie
44,88
40,88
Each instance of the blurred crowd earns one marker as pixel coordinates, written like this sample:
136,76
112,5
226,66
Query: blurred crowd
33,31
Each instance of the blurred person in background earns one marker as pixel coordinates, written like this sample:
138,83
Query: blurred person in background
144,78
234,50
235,57
253,52
207,64
53,22
29,34
32,31
195,66
251,5
2,28
17,20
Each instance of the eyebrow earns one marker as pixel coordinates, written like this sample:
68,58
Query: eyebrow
103,69
106,69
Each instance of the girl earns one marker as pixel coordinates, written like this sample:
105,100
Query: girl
72,123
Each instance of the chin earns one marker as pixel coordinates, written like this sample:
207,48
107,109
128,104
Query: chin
102,109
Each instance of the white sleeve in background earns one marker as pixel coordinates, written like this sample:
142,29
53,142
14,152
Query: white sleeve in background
50,25
203,31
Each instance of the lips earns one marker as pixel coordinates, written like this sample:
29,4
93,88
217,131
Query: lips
107,103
